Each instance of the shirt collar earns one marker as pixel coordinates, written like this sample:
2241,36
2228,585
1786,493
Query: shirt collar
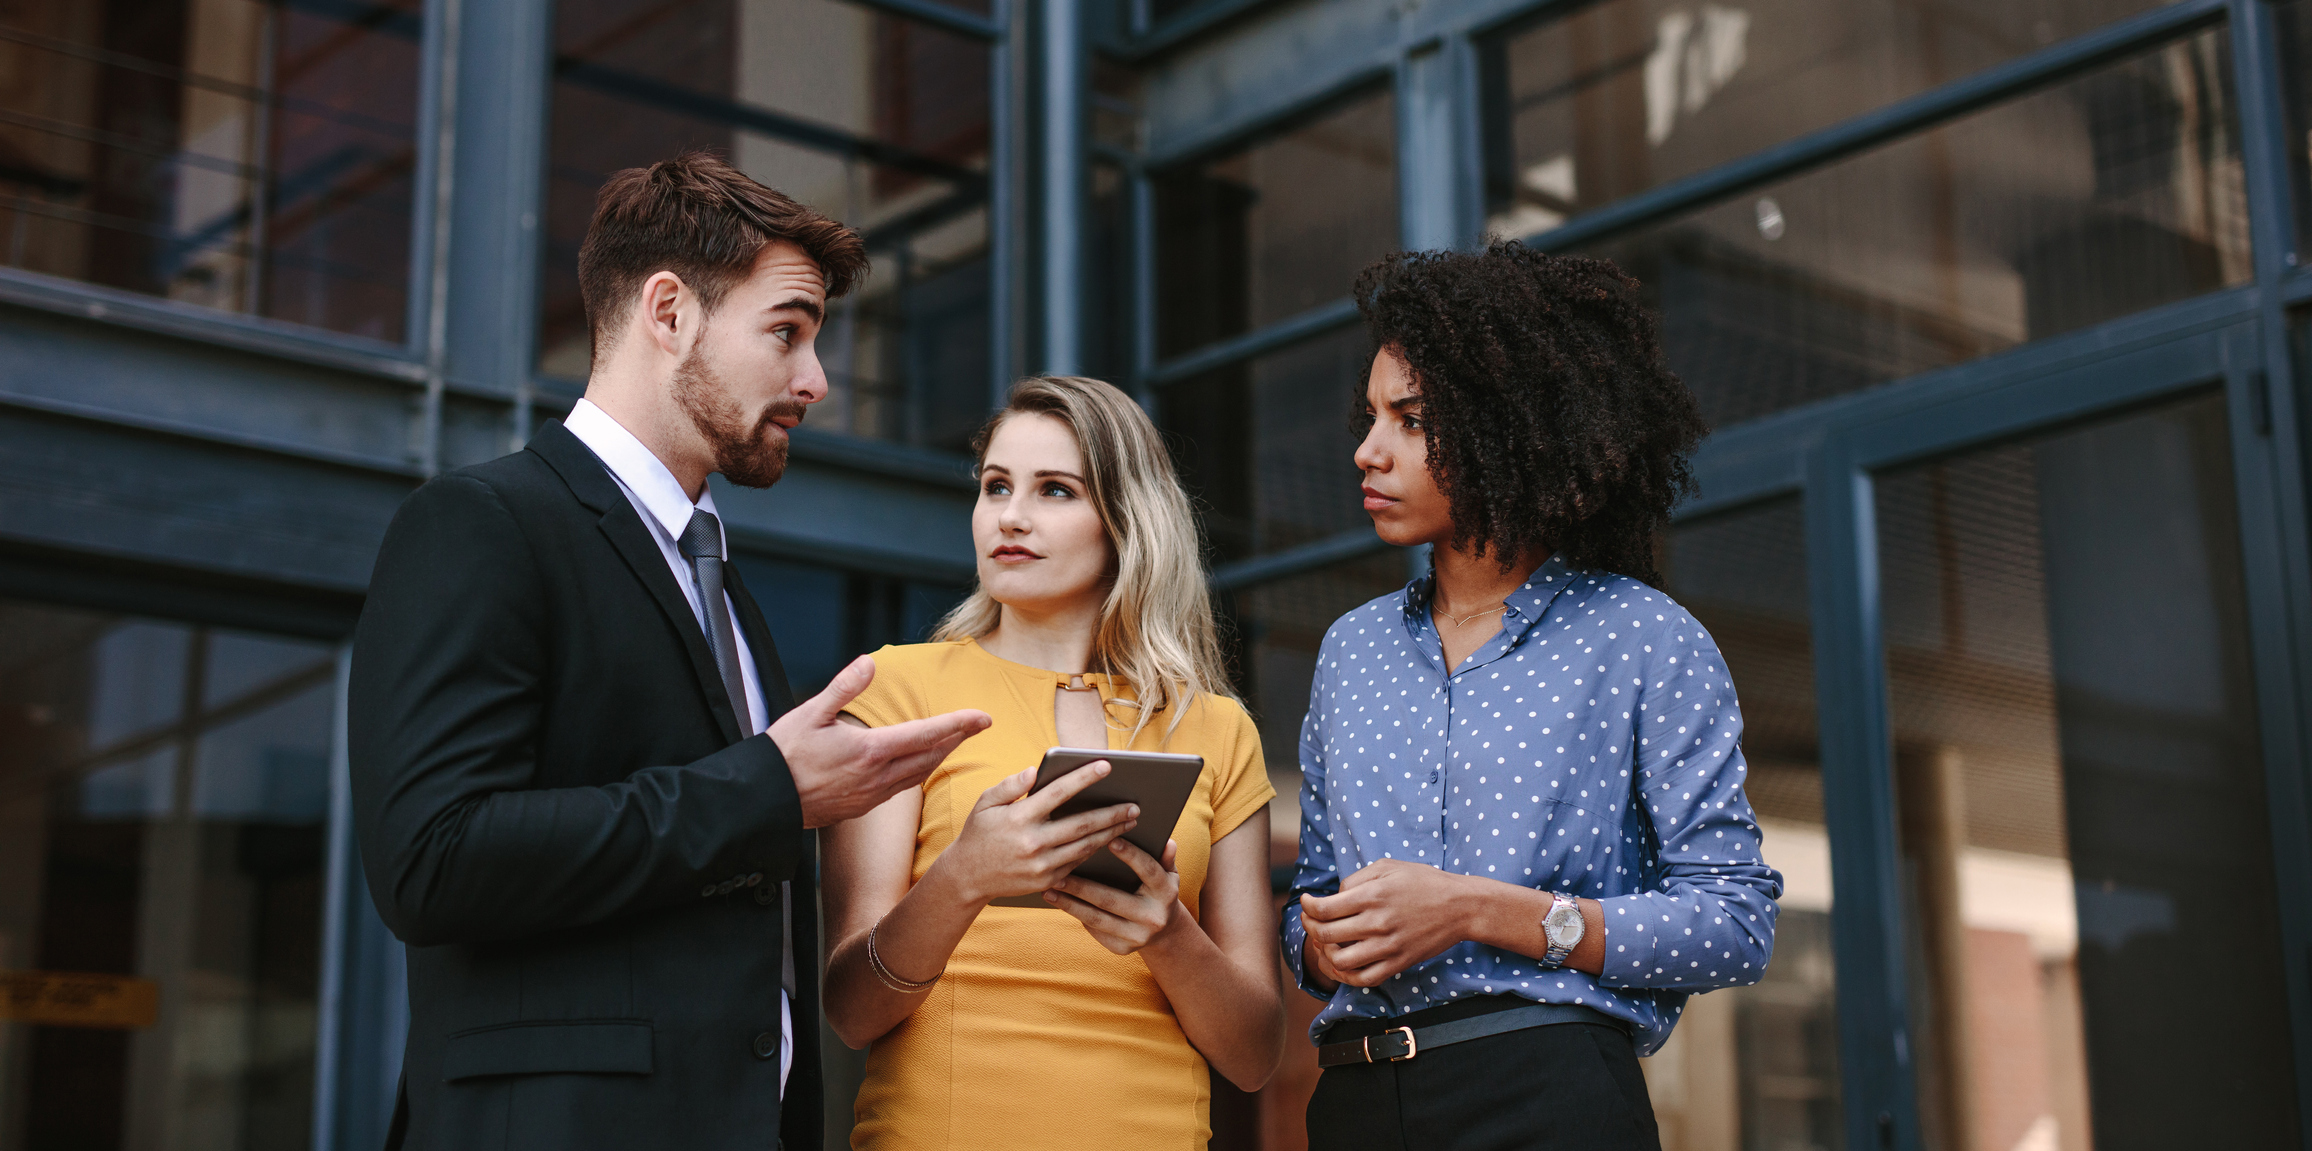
1522,609
1527,603
635,467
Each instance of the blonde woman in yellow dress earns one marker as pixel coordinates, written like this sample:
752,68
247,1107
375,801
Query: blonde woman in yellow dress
1088,1023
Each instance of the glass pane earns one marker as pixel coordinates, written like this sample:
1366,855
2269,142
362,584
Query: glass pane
159,839
241,664
2109,193
249,156
1756,1067
1272,631
1110,309
1621,96
826,617
1251,236
1265,447
1278,626
879,121
2293,21
1162,10
2081,792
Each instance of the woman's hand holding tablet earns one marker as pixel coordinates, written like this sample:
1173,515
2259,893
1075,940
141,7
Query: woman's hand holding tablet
1012,847
1156,784
1126,921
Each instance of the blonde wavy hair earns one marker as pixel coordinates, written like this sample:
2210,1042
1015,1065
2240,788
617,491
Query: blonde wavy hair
1156,630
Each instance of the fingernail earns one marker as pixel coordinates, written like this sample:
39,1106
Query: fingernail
1132,812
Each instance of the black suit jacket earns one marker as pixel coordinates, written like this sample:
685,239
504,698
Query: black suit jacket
557,815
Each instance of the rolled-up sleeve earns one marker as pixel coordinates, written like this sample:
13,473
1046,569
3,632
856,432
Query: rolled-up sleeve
1705,918
1317,873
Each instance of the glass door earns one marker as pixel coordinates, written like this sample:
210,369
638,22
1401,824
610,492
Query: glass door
2086,867
164,798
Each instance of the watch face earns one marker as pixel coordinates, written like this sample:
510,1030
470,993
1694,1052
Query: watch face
1564,925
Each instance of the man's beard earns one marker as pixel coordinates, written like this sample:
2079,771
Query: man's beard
741,452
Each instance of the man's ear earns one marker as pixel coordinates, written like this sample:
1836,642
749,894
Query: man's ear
667,311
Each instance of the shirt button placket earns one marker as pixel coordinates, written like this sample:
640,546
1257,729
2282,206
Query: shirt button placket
1435,753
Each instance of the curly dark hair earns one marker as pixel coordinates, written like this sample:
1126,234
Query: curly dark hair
1551,417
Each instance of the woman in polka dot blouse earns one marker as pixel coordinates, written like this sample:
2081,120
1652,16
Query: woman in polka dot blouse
1524,840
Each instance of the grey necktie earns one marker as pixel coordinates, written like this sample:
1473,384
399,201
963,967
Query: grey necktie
702,543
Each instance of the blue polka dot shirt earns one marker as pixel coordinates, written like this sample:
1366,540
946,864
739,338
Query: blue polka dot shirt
1592,746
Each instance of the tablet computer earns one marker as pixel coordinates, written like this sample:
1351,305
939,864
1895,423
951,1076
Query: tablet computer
1159,781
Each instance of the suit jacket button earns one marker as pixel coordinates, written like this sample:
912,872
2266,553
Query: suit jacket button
766,1044
766,895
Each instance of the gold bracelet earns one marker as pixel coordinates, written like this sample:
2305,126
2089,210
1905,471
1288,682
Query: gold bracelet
902,986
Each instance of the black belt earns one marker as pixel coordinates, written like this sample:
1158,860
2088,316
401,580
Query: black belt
1400,1043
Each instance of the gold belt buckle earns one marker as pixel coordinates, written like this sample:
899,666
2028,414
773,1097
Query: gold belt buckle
1412,1048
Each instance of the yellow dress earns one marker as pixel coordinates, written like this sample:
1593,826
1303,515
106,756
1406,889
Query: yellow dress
1037,1036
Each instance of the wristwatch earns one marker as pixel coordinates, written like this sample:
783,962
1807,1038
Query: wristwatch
1563,925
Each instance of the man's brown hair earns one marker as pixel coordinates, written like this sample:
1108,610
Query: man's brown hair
705,221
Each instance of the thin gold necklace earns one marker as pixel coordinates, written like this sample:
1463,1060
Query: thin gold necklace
1463,620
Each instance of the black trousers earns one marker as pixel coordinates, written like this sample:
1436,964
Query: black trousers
1563,1087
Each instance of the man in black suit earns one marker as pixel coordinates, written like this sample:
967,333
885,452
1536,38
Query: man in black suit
583,793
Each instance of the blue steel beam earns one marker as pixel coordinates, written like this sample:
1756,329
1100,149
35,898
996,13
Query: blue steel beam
1004,230
1875,1047
2266,390
1174,31
1355,543
484,281
1065,87
292,343
1438,189
1281,334
945,17
656,93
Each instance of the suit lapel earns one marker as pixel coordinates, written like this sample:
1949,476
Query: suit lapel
590,481
778,694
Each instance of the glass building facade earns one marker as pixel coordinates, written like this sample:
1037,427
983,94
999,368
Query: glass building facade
1997,309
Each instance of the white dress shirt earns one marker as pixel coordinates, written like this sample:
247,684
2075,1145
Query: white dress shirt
666,509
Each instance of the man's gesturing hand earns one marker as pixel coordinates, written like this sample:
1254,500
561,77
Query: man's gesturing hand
1387,917
843,771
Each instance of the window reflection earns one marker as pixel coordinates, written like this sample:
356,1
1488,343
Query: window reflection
247,156
2112,192
163,800
1265,446
2081,793
1279,226
2292,19
1756,1067
834,615
1621,96
877,120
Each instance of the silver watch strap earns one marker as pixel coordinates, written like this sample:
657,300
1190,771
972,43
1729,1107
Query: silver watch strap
1554,958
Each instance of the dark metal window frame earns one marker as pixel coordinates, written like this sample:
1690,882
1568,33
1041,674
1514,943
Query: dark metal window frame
482,206
361,1003
484,81
1828,453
